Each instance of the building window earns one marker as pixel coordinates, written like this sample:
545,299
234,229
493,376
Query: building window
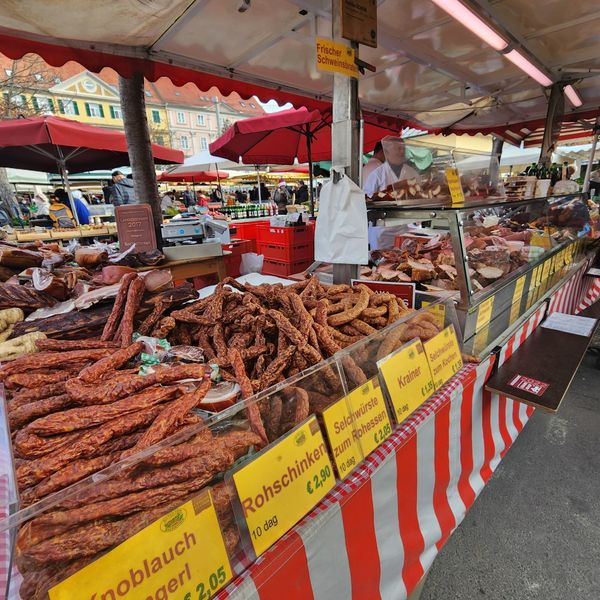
38,76
115,112
155,116
8,72
185,142
180,117
57,80
252,105
68,107
242,103
160,140
93,109
203,144
43,104
19,100
200,120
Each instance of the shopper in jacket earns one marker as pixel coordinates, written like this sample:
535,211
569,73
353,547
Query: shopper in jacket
122,191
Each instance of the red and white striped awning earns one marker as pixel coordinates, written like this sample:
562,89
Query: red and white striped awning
576,127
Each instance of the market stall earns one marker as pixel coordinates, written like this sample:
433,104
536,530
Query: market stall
294,507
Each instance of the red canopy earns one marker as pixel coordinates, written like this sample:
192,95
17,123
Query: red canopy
279,138
40,143
195,177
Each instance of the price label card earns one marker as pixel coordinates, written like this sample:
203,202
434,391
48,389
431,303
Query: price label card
455,186
356,425
438,311
546,270
283,483
484,313
516,299
407,377
343,442
180,555
443,354
372,422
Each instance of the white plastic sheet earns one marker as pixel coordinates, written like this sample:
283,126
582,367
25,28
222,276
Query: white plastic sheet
341,234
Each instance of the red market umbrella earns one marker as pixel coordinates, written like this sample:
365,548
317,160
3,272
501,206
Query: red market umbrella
282,137
52,144
43,143
195,177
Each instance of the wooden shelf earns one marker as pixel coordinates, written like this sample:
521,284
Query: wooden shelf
549,357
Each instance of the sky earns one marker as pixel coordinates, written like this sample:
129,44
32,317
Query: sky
271,106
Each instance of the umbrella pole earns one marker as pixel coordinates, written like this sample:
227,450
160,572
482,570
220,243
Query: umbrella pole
310,170
65,178
219,184
258,183
588,171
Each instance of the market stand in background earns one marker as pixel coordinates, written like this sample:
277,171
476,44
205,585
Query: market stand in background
414,474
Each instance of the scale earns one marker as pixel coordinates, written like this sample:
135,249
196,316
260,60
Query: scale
194,237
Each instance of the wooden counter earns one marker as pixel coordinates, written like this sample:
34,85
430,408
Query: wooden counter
189,268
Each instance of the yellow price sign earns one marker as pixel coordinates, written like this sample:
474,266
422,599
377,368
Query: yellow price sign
344,445
407,377
372,422
356,425
545,270
443,354
283,483
181,555
516,299
455,185
484,313
438,311
335,57
541,240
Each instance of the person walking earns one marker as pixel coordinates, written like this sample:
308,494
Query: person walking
122,191
281,197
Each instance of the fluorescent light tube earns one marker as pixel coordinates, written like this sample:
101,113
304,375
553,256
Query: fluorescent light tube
473,22
528,67
573,96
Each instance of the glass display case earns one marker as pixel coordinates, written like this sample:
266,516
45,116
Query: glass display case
486,254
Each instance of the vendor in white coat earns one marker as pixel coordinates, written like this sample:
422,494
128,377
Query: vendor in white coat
394,169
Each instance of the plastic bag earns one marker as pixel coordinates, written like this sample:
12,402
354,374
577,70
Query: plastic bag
251,263
341,234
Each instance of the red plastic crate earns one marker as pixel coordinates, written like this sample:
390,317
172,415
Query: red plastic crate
283,253
237,246
283,269
288,236
233,262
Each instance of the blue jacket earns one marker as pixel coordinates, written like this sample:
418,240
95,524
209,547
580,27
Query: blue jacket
83,214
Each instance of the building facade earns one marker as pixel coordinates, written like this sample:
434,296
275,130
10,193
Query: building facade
184,118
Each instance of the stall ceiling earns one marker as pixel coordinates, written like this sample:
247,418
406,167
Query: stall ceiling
431,71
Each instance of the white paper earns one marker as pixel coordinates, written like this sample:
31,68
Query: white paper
570,324
594,272
341,233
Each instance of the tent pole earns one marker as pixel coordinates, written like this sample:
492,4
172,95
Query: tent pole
588,171
310,169
219,184
65,178
258,184
345,151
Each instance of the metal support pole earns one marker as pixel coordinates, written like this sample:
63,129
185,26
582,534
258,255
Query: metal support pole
310,170
588,171
65,178
345,151
258,183
494,170
554,116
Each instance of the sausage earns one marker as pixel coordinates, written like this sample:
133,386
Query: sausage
90,416
134,299
42,360
115,314
110,363
170,417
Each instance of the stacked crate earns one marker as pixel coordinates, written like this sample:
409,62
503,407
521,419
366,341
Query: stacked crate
287,250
